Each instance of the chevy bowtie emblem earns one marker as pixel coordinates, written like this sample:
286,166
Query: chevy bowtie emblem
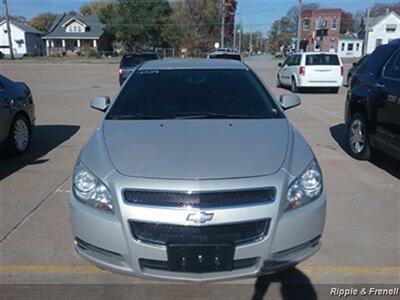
200,217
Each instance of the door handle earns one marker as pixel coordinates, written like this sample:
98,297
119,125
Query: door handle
380,85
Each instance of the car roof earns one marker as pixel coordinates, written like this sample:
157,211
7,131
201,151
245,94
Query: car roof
226,54
139,53
175,64
315,52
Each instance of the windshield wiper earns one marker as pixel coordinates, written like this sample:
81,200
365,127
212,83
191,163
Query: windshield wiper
213,115
137,117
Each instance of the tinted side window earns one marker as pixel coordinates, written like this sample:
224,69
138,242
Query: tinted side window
393,67
322,60
375,62
226,56
132,60
290,60
297,60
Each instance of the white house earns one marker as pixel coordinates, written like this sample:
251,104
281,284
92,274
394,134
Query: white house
350,45
75,34
26,40
381,30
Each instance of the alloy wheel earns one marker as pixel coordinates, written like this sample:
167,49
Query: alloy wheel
21,135
357,136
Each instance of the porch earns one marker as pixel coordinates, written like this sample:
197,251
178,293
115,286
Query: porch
70,46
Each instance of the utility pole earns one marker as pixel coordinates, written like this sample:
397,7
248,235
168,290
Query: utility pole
240,38
366,35
223,25
299,25
8,29
234,35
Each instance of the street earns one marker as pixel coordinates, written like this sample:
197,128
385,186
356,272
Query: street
361,242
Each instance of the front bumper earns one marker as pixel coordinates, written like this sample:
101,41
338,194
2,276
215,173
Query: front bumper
106,239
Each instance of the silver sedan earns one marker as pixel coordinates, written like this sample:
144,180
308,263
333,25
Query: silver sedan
195,173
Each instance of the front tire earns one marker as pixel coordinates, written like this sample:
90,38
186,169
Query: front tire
19,137
358,138
349,79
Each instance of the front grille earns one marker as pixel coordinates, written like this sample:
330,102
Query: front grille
200,199
163,234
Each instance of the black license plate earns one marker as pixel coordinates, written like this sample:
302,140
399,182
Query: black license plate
200,259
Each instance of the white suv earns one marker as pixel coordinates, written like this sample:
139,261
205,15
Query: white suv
311,70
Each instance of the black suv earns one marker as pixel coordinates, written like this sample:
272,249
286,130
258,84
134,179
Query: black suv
372,110
130,61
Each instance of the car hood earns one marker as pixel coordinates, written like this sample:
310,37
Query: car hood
196,149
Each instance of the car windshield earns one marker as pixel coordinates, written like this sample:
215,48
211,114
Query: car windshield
133,60
226,56
194,94
322,59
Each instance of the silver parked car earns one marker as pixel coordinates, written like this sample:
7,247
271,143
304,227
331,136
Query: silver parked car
17,115
196,174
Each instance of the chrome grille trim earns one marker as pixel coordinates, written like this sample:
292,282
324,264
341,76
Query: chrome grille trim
207,199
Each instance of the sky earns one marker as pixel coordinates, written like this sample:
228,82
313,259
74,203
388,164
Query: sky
254,14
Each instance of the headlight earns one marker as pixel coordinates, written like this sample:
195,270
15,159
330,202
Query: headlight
305,188
90,190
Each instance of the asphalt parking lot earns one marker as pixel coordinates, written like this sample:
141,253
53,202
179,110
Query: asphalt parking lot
362,233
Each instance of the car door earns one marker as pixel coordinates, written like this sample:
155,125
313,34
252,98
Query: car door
4,112
284,74
294,67
388,105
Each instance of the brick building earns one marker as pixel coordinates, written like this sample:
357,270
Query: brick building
321,29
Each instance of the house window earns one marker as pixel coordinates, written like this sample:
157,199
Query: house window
358,46
334,23
320,24
379,42
79,28
343,45
391,28
350,46
306,24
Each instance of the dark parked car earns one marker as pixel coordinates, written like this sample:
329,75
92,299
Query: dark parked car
373,104
17,115
225,55
354,69
130,61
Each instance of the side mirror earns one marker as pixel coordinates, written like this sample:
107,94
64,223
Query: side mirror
280,65
100,103
289,101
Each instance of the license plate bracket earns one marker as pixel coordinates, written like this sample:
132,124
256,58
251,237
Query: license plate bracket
200,258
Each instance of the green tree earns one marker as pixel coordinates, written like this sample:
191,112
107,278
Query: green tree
283,30
279,34
137,23
349,23
293,15
43,21
196,24
380,9
94,7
